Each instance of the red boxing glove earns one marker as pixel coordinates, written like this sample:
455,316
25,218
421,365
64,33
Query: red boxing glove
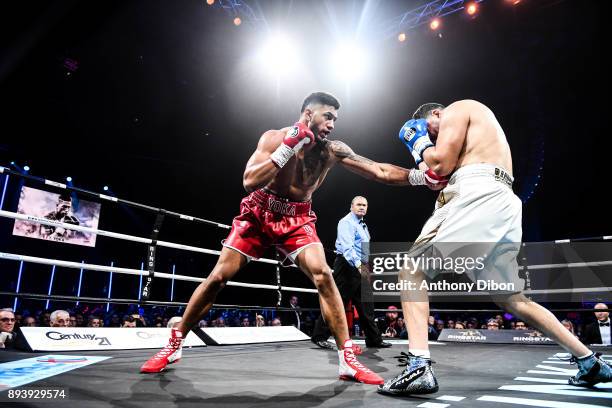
434,181
298,136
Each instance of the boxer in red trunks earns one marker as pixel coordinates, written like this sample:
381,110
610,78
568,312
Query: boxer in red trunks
281,176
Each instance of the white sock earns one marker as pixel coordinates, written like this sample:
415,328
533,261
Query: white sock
586,355
420,352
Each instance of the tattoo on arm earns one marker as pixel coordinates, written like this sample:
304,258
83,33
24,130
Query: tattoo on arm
342,150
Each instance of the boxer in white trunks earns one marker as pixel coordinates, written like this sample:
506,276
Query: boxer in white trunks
465,142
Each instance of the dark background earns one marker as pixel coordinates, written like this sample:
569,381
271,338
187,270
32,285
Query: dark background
166,107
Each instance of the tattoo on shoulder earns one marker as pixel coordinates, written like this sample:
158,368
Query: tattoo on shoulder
342,150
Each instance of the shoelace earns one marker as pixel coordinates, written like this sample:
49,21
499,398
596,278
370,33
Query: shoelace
350,358
172,346
574,360
404,359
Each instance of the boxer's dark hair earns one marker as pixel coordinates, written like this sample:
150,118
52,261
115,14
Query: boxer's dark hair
322,98
425,109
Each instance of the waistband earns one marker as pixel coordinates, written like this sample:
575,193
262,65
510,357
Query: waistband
482,169
272,202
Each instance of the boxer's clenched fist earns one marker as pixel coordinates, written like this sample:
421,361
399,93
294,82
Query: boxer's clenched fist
298,136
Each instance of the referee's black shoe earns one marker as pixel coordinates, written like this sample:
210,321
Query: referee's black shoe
324,344
378,344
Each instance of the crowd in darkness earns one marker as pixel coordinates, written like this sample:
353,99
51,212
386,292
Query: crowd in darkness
390,323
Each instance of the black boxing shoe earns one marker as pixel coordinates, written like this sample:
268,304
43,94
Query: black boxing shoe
378,344
591,370
417,378
324,344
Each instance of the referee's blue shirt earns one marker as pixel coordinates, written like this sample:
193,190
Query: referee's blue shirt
352,235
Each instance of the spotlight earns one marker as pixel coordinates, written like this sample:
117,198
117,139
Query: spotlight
69,179
210,2
349,61
279,56
401,37
471,9
12,163
26,168
237,21
105,188
435,24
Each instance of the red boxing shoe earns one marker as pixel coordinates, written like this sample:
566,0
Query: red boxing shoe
352,369
170,354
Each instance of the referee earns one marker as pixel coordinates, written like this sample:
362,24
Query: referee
350,273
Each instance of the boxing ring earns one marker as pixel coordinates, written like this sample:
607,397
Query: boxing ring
302,375
296,373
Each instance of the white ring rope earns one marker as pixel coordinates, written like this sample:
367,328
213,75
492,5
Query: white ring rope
127,271
116,235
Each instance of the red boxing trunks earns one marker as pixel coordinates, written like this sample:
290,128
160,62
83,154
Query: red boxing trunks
267,220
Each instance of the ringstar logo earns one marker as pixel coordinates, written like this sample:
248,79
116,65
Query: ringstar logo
145,335
409,134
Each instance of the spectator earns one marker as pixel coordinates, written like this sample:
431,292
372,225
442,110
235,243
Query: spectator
259,321
128,321
203,323
174,322
7,327
569,326
114,321
390,323
59,318
80,320
293,317
45,319
276,322
245,322
459,326
492,324
95,321
432,333
220,322
472,323
520,325
599,331
402,332
72,322
29,321
450,324
439,326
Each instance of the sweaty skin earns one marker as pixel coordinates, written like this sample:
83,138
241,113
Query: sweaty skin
305,172
466,132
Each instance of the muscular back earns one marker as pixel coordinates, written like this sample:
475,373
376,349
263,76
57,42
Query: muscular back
485,141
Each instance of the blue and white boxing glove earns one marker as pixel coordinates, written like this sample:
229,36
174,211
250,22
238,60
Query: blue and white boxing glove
414,135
